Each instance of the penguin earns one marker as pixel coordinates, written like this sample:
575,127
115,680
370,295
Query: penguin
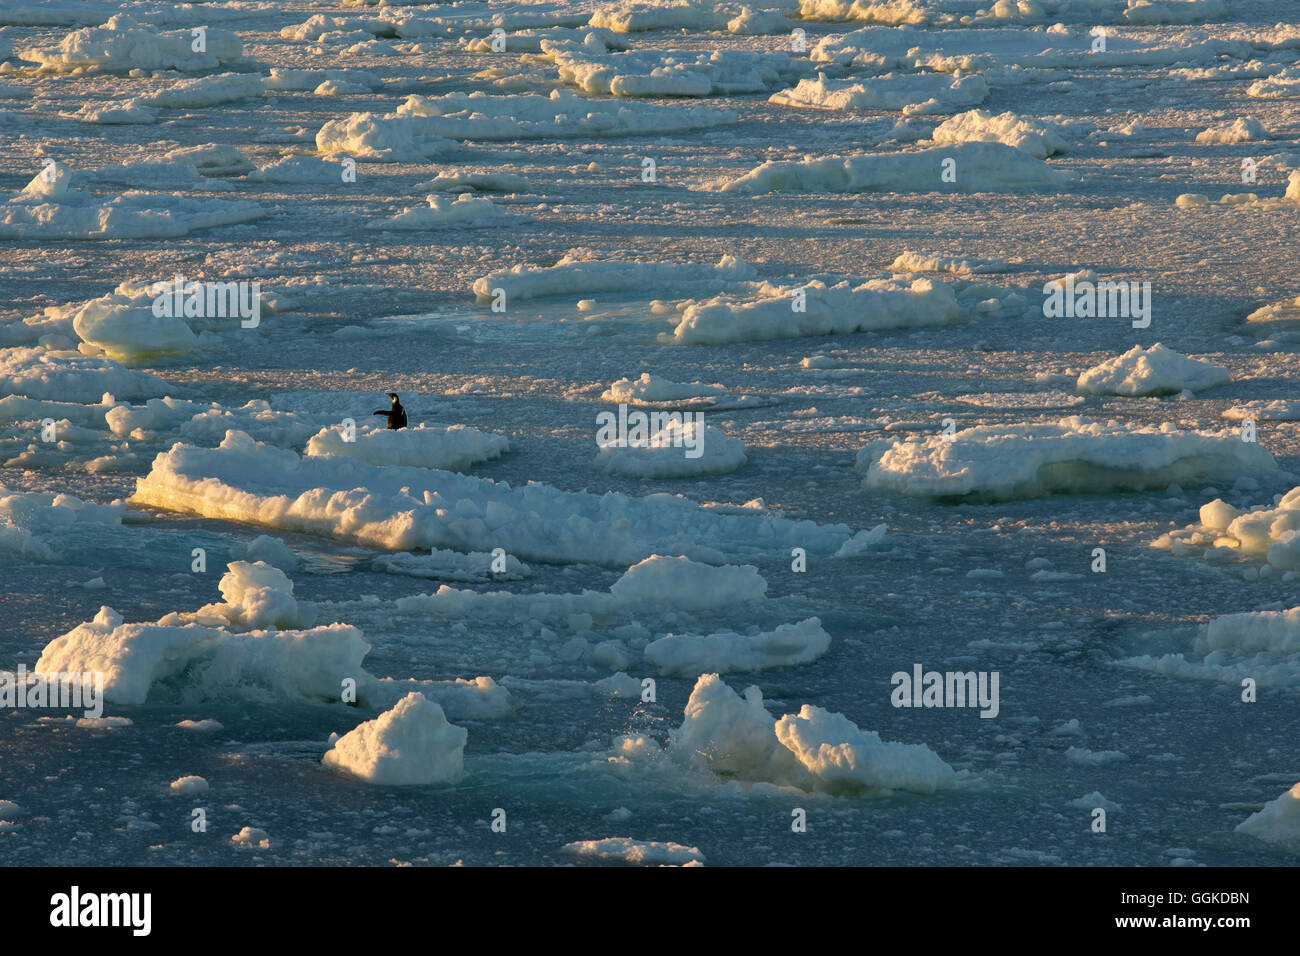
396,415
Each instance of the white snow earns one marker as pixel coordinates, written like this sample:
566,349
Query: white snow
863,542
286,80
1070,455
1153,371
206,724
979,167
114,114
480,698
530,41
752,22
1281,85
412,744
211,159
453,447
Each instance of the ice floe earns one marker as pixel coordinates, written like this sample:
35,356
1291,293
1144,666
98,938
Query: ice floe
1278,821
72,377
913,93
424,126
404,508
1270,533
736,737
962,167
124,44
574,276
465,211
454,447
411,744
639,852
728,652
50,207
1152,371
677,449
198,662
1034,137
776,312
1072,455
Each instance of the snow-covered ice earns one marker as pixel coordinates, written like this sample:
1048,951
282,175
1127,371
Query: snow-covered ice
1069,455
411,744
1152,371
963,167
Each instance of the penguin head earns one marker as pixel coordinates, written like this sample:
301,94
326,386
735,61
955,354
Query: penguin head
393,396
